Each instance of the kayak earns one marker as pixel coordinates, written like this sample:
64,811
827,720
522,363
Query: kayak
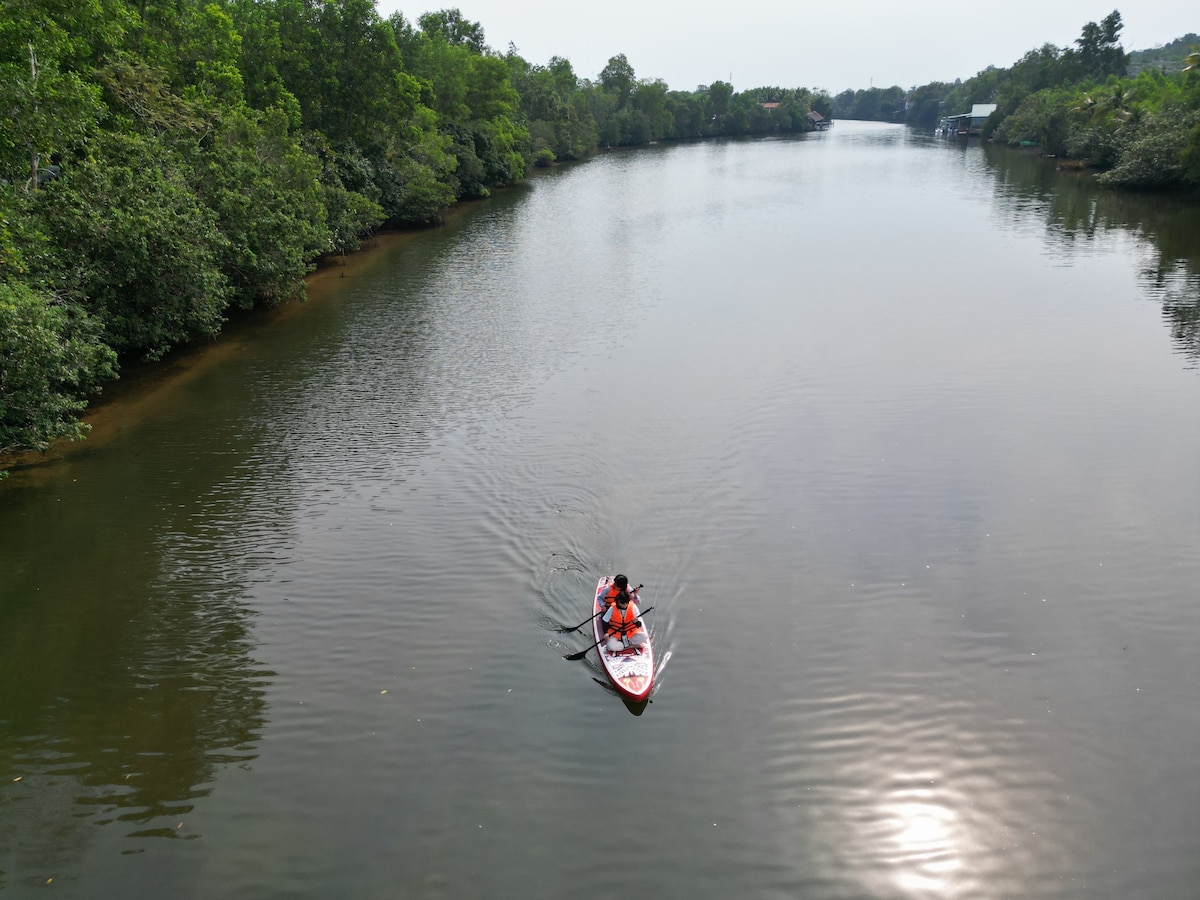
631,670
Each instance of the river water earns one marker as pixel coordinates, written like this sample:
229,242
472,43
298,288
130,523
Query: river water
901,435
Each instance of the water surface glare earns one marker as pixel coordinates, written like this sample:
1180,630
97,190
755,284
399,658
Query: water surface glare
902,437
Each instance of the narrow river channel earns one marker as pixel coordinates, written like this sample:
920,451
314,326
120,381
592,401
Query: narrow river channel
902,436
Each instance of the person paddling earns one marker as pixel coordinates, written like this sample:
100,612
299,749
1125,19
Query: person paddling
619,584
622,628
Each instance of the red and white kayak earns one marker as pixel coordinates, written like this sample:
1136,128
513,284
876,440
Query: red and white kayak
631,670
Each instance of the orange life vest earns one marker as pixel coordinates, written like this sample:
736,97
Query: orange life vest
609,597
622,624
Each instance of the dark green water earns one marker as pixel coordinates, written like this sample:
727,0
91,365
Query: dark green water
903,438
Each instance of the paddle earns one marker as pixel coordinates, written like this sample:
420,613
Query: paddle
593,615
581,654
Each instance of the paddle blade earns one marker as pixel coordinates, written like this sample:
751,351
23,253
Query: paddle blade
575,656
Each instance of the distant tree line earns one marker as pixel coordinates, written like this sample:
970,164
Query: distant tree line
1169,58
1079,102
165,161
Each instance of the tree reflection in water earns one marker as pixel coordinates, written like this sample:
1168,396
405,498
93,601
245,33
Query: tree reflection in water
1075,210
129,676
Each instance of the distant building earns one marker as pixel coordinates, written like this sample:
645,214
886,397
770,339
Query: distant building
818,120
770,106
968,123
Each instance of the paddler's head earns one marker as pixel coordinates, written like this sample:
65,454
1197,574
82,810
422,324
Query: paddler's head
622,599
621,582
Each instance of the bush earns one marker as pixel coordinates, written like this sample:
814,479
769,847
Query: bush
135,245
50,359
1153,158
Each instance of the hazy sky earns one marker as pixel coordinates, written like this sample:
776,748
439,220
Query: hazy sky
834,44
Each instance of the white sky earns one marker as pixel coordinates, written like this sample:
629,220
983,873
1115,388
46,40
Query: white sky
833,44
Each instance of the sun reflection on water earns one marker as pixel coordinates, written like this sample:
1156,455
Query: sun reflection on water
914,806
921,842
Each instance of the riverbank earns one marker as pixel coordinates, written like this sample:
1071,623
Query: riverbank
134,395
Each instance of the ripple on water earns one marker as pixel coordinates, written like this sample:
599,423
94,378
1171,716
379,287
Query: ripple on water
911,793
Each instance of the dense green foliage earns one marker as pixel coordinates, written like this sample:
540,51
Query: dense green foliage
52,358
1080,102
163,161
872,104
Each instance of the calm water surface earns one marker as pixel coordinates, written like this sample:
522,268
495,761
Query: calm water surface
903,438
